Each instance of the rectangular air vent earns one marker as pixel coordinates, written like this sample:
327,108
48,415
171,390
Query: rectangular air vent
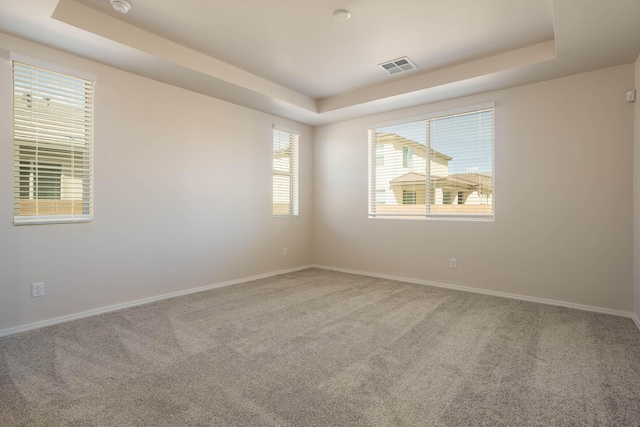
399,65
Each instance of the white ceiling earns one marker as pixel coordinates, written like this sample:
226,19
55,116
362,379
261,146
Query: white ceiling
291,58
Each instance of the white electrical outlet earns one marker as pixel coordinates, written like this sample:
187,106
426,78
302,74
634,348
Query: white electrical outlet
453,263
37,290
284,252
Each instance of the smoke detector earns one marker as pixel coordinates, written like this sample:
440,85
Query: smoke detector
399,65
121,6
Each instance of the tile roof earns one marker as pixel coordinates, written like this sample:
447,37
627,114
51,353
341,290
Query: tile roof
472,180
476,179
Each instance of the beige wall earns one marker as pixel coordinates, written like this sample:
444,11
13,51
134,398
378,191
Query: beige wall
636,194
167,179
563,176
182,200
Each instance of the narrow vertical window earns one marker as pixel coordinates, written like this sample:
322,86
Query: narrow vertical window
285,173
407,157
52,146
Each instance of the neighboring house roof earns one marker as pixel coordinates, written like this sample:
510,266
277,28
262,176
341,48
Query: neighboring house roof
469,180
409,178
476,179
394,138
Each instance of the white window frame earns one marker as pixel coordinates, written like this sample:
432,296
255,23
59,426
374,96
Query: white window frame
21,139
372,162
293,174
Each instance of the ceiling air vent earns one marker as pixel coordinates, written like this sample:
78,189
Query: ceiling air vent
399,65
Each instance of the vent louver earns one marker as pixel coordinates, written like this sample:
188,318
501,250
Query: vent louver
399,65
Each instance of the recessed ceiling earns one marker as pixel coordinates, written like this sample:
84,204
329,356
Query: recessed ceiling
298,44
294,59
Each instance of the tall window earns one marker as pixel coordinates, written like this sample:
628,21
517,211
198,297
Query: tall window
285,172
407,157
437,166
52,146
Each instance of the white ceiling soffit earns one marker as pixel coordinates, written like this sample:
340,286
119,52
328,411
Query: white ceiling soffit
242,52
233,84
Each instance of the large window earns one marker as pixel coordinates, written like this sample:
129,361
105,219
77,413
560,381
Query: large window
435,166
52,146
285,172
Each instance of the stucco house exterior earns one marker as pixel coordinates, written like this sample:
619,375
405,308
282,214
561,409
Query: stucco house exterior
401,183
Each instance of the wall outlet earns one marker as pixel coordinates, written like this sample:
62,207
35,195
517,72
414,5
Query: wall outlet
453,263
284,252
37,290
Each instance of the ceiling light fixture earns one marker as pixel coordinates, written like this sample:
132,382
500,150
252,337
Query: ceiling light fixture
121,6
342,14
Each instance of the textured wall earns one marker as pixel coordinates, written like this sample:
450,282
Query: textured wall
563,198
182,200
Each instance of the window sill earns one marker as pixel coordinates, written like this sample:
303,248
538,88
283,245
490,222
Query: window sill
42,220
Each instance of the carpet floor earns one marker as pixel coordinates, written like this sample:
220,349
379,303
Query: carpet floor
322,348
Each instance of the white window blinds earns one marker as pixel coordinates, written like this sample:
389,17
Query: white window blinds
440,166
52,142
285,172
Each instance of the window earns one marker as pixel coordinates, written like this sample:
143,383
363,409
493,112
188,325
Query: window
285,173
52,146
407,157
50,181
408,197
440,166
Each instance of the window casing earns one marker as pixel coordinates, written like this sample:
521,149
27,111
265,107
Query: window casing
285,173
52,146
438,166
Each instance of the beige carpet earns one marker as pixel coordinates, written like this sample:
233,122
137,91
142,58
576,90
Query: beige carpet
321,348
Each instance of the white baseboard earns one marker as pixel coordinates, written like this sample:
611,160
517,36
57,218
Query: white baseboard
489,292
97,311
102,310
